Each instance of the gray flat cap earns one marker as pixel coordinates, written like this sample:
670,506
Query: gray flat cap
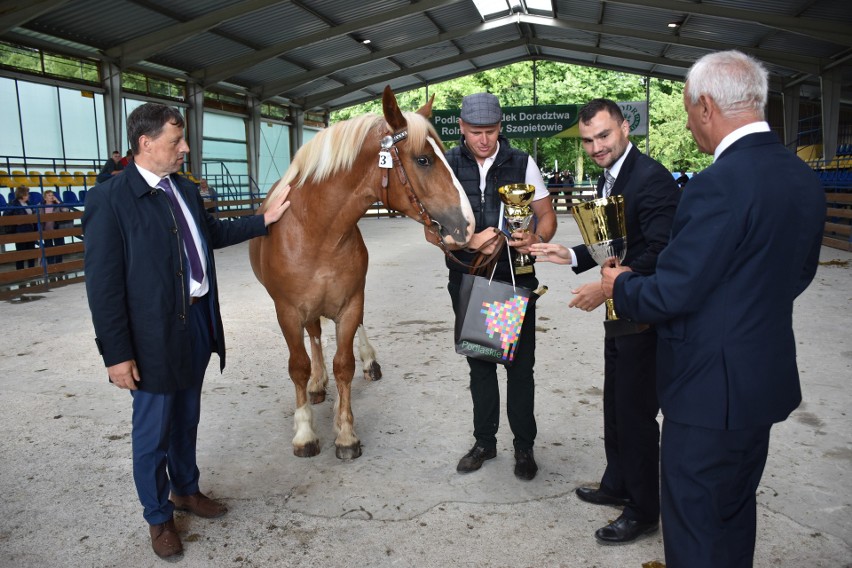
481,109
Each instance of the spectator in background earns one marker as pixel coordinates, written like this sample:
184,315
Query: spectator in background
207,194
128,157
53,205
111,167
19,207
682,179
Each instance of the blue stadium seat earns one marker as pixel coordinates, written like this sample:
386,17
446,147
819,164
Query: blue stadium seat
81,197
35,198
2,202
68,196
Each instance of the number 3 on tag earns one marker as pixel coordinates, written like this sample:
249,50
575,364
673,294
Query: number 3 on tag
385,160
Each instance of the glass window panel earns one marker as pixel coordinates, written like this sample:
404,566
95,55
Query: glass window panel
224,126
10,140
40,119
79,124
274,154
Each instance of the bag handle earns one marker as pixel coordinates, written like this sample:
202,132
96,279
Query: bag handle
511,271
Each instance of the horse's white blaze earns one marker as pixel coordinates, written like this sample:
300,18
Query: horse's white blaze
365,349
463,200
303,424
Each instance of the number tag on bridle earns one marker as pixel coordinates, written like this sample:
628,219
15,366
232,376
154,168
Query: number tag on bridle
385,159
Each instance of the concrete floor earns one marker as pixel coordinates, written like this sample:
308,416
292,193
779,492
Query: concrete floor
66,476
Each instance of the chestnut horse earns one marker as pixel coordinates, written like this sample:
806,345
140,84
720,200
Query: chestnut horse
313,262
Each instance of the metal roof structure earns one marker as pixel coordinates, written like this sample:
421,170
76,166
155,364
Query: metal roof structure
328,54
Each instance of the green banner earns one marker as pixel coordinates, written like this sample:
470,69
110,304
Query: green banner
543,121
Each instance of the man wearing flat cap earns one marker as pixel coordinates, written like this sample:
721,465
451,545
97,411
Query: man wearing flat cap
483,161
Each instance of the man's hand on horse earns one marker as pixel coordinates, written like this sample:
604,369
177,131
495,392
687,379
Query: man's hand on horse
124,375
277,206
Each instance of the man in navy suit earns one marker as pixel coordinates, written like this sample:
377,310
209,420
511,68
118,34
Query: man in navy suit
151,284
745,243
631,432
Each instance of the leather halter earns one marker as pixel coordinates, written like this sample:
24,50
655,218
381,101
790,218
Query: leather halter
388,143
482,261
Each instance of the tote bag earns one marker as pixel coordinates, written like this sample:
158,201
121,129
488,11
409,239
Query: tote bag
489,319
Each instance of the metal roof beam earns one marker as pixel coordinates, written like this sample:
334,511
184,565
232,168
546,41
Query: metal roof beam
834,31
319,100
629,55
271,89
219,72
142,47
790,60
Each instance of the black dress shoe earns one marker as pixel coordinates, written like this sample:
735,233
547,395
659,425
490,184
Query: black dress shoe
598,497
474,459
525,466
624,530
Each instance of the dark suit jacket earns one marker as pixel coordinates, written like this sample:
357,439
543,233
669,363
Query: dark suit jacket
745,243
136,277
650,199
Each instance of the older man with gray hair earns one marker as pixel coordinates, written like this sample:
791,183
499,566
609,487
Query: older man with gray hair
745,243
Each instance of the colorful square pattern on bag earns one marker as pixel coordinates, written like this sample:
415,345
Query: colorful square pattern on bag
506,319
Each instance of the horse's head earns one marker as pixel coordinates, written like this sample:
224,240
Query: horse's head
421,183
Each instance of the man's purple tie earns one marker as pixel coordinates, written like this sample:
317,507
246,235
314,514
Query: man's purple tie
195,270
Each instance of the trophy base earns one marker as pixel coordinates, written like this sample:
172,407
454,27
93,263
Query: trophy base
619,328
523,269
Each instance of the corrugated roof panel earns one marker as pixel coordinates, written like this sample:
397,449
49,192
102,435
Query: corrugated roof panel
566,35
424,55
367,70
582,10
79,21
728,32
766,6
328,52
275,24
632,45
835,10
342,11
784,41
640,18
453,16
202,51
399,32
270,70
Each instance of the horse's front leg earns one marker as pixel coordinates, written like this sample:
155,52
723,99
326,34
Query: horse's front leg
305,442
319,375
347,444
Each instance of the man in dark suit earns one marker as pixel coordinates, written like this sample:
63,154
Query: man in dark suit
745,243
151,284
631,432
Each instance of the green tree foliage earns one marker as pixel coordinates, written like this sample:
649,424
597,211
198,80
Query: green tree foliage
558,83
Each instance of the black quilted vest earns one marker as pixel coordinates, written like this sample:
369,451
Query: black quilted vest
510,166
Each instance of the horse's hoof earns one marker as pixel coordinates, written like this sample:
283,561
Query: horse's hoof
374,373
317,397
348,452
309,450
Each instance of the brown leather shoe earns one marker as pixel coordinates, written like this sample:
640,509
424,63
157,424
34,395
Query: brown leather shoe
199,505
165,540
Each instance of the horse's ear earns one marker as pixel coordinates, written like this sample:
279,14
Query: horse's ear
393,115
426,110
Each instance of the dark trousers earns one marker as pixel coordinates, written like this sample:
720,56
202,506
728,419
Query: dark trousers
165,428
631,431
19,264
520,385
708,494
53,243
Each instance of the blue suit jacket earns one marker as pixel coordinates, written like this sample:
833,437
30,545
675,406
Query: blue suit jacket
136,275
745,243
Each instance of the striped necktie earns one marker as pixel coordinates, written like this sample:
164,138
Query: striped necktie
609,181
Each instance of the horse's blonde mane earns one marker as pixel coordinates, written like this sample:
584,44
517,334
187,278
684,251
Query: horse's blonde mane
335,149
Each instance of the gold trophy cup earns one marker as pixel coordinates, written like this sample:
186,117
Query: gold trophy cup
604,229
516,199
